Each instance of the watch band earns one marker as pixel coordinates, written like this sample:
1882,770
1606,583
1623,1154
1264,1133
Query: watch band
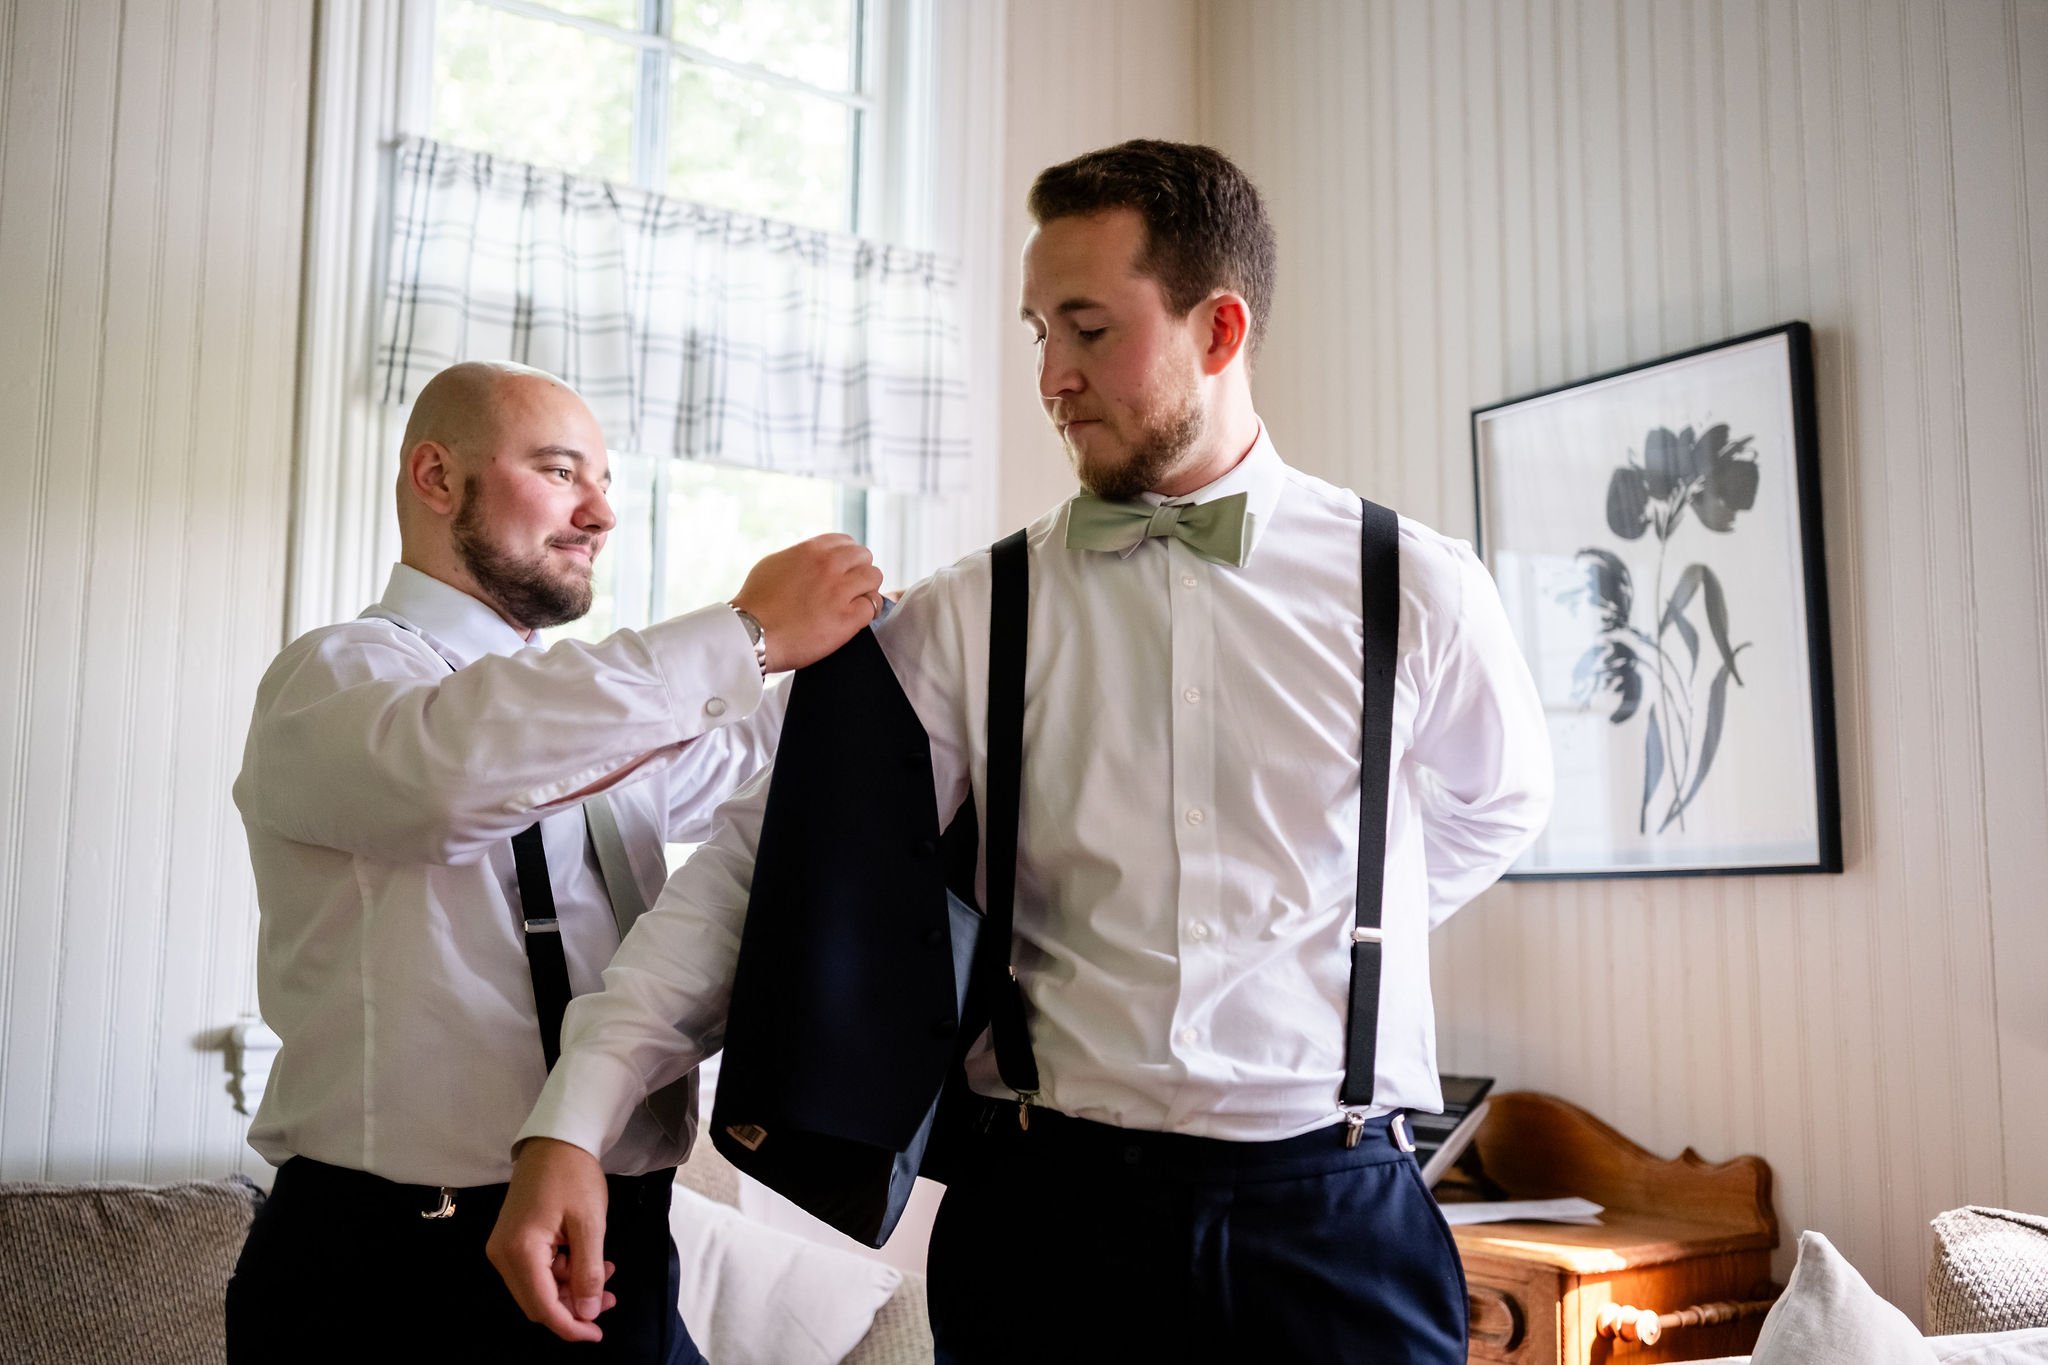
757,636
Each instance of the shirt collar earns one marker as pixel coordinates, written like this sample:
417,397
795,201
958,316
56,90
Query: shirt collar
461,628
1259,476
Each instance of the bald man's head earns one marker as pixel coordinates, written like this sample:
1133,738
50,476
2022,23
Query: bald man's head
501,490
459,407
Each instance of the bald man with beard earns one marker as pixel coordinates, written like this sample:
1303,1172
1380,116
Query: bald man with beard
451,828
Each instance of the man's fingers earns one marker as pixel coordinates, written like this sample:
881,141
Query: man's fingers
586,1266
528,1273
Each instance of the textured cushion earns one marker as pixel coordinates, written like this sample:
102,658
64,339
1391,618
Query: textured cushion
117,1272
753,1295
1829,1316
1989,1272
902,1334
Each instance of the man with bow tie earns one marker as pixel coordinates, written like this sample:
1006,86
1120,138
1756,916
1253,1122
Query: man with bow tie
1199,1155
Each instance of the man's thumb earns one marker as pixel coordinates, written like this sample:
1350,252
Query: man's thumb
586,1269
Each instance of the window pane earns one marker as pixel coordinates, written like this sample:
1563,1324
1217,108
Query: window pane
743,145
808,40
533,90
722,520
623,13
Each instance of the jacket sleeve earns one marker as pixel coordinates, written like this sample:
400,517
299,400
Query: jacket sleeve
363,741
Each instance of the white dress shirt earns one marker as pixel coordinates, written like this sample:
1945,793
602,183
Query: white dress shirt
389,763
1186,867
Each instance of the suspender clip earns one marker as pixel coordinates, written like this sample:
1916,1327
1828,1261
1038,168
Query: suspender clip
1354,1127
1397,1128
444,1209
1025,1099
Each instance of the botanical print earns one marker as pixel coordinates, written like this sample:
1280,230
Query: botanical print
1712,477
1654,534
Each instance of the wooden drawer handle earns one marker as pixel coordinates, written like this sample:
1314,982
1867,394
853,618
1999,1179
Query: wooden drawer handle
1646,1325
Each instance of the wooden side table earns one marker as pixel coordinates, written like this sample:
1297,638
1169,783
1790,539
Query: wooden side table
1679,1268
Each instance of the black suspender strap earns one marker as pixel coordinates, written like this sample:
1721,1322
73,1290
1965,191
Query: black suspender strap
1380,583
543,939
1009,608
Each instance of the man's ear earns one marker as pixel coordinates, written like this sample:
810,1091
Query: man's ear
430,473
1229,331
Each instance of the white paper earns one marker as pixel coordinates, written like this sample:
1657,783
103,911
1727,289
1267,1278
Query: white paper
1523,1211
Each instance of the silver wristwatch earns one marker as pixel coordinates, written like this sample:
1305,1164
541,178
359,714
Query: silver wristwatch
755,636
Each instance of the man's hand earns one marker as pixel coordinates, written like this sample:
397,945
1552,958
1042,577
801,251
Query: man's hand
811,598
557,1199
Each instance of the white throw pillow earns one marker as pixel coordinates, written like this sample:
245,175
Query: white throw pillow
1829,1316
2028,1346
752,1295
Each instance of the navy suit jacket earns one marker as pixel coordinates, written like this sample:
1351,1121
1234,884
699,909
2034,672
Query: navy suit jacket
849,993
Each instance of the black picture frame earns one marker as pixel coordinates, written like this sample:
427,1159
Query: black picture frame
1656,535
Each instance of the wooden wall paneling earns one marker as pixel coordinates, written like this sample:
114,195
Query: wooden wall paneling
2019,777
151,189
56,165
1995,461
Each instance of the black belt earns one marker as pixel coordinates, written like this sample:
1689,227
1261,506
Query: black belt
364,1193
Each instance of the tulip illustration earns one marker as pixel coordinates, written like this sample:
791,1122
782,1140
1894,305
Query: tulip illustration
1713,478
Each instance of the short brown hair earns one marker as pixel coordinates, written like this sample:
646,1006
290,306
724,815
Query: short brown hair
1205,225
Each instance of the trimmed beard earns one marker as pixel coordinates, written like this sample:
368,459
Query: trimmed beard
524,589
1159,447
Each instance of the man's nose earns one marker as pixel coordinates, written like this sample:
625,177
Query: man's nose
596,512
1057,375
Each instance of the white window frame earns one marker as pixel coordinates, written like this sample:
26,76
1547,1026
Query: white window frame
935,81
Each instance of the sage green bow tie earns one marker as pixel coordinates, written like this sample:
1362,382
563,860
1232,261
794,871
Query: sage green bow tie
1219,530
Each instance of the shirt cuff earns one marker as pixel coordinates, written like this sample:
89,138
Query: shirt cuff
708,665
588,1100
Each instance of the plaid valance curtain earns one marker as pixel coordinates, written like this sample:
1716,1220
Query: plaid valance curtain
692,332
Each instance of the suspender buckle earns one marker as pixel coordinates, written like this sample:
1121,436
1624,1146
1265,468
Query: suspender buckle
444,1209
542,926
1362,934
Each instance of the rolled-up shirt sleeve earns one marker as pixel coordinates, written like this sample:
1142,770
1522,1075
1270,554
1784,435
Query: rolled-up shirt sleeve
364,741
1481,748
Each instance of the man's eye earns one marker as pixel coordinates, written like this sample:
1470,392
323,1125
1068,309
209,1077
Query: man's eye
1091,333
566,473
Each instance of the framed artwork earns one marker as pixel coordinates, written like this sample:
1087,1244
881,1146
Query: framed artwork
1656,536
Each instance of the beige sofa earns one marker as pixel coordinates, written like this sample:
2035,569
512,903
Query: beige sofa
125,1274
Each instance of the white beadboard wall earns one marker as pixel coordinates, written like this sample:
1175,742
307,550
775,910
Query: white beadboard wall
152,179
1081,74
1484,198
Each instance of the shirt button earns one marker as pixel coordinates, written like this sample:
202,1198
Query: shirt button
1192,695
1188,1036
1195,816
715,707
1198,932
1187,580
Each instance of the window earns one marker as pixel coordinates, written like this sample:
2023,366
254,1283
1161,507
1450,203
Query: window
764,106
